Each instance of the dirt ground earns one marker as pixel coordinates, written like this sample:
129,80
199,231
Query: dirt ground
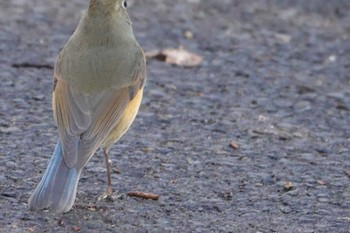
275,80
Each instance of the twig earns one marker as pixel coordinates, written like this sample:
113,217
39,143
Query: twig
151,196
32,65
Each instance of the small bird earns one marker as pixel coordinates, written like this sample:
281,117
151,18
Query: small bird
97,90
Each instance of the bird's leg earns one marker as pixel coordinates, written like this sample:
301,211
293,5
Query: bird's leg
109,190
109,180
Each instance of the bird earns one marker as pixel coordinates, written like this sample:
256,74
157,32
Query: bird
98,83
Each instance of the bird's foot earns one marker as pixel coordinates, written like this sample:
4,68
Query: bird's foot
107,195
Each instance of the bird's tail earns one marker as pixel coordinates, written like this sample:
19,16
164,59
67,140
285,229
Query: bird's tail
58,186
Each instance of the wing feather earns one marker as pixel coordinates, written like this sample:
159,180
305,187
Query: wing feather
85,121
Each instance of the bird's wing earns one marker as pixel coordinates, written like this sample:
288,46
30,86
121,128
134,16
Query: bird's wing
84,121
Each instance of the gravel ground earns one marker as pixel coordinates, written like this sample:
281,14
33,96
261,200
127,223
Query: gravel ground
275,80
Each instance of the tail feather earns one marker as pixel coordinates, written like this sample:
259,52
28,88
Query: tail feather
58,186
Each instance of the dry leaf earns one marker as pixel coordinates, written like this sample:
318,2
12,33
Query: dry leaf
179,57
153,53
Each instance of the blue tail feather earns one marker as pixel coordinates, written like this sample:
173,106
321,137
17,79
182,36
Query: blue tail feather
58,186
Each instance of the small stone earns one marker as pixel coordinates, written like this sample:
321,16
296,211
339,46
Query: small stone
321,182
234,145
188,34
288,186
75,228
